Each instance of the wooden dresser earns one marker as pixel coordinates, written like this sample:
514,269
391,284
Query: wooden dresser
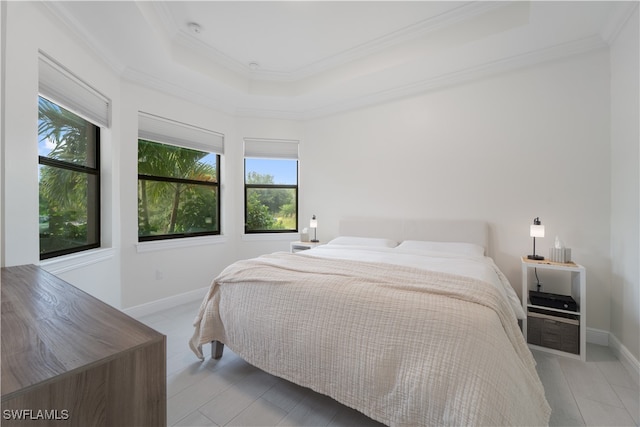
69,359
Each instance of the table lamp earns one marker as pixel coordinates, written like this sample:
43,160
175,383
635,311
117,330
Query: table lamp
536,230
314,224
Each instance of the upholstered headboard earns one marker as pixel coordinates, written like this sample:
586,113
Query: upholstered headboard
445,230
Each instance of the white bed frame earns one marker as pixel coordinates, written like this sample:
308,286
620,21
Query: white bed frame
438,230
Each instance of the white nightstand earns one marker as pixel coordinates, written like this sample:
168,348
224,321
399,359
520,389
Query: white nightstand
555,329
303,246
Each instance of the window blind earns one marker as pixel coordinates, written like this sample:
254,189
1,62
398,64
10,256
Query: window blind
158,129
271,148
59,85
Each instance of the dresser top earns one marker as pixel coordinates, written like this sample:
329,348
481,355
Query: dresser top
51,328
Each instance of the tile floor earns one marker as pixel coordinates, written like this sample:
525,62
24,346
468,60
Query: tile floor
230,392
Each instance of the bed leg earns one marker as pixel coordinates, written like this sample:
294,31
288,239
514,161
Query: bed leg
216,349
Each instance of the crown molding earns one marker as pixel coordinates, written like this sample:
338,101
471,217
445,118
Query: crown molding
150,81
455,77
57,10
164,18
617,20
487,69
287,110
185,40
453,16
263,113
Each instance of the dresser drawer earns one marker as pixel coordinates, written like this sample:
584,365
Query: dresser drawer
553,330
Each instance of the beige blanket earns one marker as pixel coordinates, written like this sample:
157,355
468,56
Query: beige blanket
404,346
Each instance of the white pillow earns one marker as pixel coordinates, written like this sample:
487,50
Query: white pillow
459,248
363,241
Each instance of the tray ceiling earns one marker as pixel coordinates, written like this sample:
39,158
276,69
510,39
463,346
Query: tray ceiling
304,59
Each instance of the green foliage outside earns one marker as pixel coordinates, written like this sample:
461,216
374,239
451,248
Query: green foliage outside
269,208
66,219
166,207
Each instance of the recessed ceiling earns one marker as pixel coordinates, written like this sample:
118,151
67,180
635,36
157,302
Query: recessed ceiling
289,37
301,59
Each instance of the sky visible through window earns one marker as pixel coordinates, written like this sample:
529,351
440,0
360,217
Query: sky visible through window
45,146
283,171
209,159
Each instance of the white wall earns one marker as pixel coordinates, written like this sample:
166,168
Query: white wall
625,187
505,149
28,29
156,270
252,245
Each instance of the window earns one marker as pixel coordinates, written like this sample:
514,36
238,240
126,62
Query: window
271,186
178,185
69,178
70,114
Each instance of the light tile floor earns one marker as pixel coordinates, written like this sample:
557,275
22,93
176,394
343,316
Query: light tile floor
230,392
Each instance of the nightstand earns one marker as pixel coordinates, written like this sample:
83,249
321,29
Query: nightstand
303,246
555,328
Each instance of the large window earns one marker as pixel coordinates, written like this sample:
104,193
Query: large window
271,186
69,178
178,186
71,114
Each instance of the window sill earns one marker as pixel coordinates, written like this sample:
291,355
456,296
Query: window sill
291,237
74,261
161,245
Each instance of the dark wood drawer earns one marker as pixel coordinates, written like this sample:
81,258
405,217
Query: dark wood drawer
553,330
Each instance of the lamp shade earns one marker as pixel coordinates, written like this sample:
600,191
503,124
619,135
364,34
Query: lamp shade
536,230
314,222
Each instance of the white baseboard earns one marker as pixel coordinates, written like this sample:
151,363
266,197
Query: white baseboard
628,360
598,336
166,303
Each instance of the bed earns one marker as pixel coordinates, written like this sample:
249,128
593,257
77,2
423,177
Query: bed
408,322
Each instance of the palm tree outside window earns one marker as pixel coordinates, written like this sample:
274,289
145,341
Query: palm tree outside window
69,181
178,191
